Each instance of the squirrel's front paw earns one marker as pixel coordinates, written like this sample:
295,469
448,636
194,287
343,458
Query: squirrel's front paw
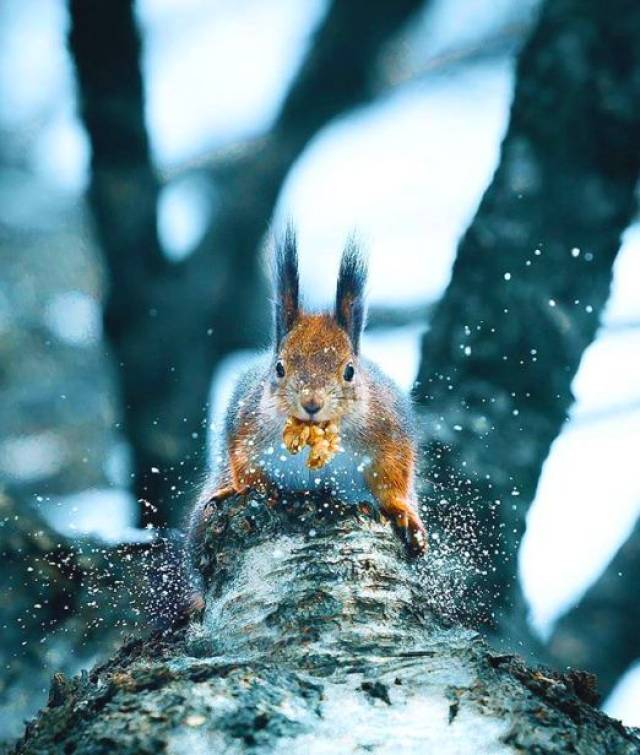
195,605
416,537
221,494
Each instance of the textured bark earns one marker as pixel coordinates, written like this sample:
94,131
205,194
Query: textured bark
531,277
600,633
316,638
66,603
169,324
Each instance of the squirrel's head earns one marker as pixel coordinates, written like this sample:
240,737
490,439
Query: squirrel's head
315,371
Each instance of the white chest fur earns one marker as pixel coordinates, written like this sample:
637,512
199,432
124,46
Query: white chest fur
343,476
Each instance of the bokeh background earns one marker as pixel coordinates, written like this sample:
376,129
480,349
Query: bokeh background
146,151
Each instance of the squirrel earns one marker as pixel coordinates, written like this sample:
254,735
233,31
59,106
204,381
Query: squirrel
315,384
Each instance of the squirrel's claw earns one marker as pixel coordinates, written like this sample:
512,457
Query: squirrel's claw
221,494
196,604
416,537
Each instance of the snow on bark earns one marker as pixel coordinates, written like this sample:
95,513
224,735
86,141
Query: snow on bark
316,638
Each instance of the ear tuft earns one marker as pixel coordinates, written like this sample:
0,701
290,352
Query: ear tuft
350,293
286,283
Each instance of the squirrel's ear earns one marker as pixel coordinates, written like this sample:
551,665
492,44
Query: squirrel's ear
286,284
350,293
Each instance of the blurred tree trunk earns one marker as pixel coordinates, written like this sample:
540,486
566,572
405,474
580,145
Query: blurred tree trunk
148,319
601,632
170,324
315,638
65,603
530,280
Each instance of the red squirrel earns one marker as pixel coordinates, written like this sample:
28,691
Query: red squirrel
316,377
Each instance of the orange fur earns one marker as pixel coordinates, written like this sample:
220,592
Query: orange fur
390,479
245,476
317,380
312,334
315,352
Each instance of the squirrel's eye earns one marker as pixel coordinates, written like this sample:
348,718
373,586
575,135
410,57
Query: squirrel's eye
349,372
279,369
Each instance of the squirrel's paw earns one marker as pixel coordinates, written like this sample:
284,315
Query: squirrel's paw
416,536
195,604
221,494
410,525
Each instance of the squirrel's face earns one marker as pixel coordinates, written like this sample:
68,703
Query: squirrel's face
315,374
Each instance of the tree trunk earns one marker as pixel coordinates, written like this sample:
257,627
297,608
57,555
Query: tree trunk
145,319
530,280
65,603
600,633
316,638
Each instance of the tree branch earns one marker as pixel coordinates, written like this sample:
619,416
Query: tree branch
315,638
501,42
66,602
380,317
600,633
506,340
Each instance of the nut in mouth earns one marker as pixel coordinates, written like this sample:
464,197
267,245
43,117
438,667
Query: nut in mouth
323,439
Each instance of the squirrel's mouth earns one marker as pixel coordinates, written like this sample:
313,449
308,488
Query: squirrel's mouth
314,417
316,412
311,419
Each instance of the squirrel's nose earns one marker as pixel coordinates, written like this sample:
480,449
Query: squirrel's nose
312,406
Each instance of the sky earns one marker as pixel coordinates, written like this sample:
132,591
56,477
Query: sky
407,173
